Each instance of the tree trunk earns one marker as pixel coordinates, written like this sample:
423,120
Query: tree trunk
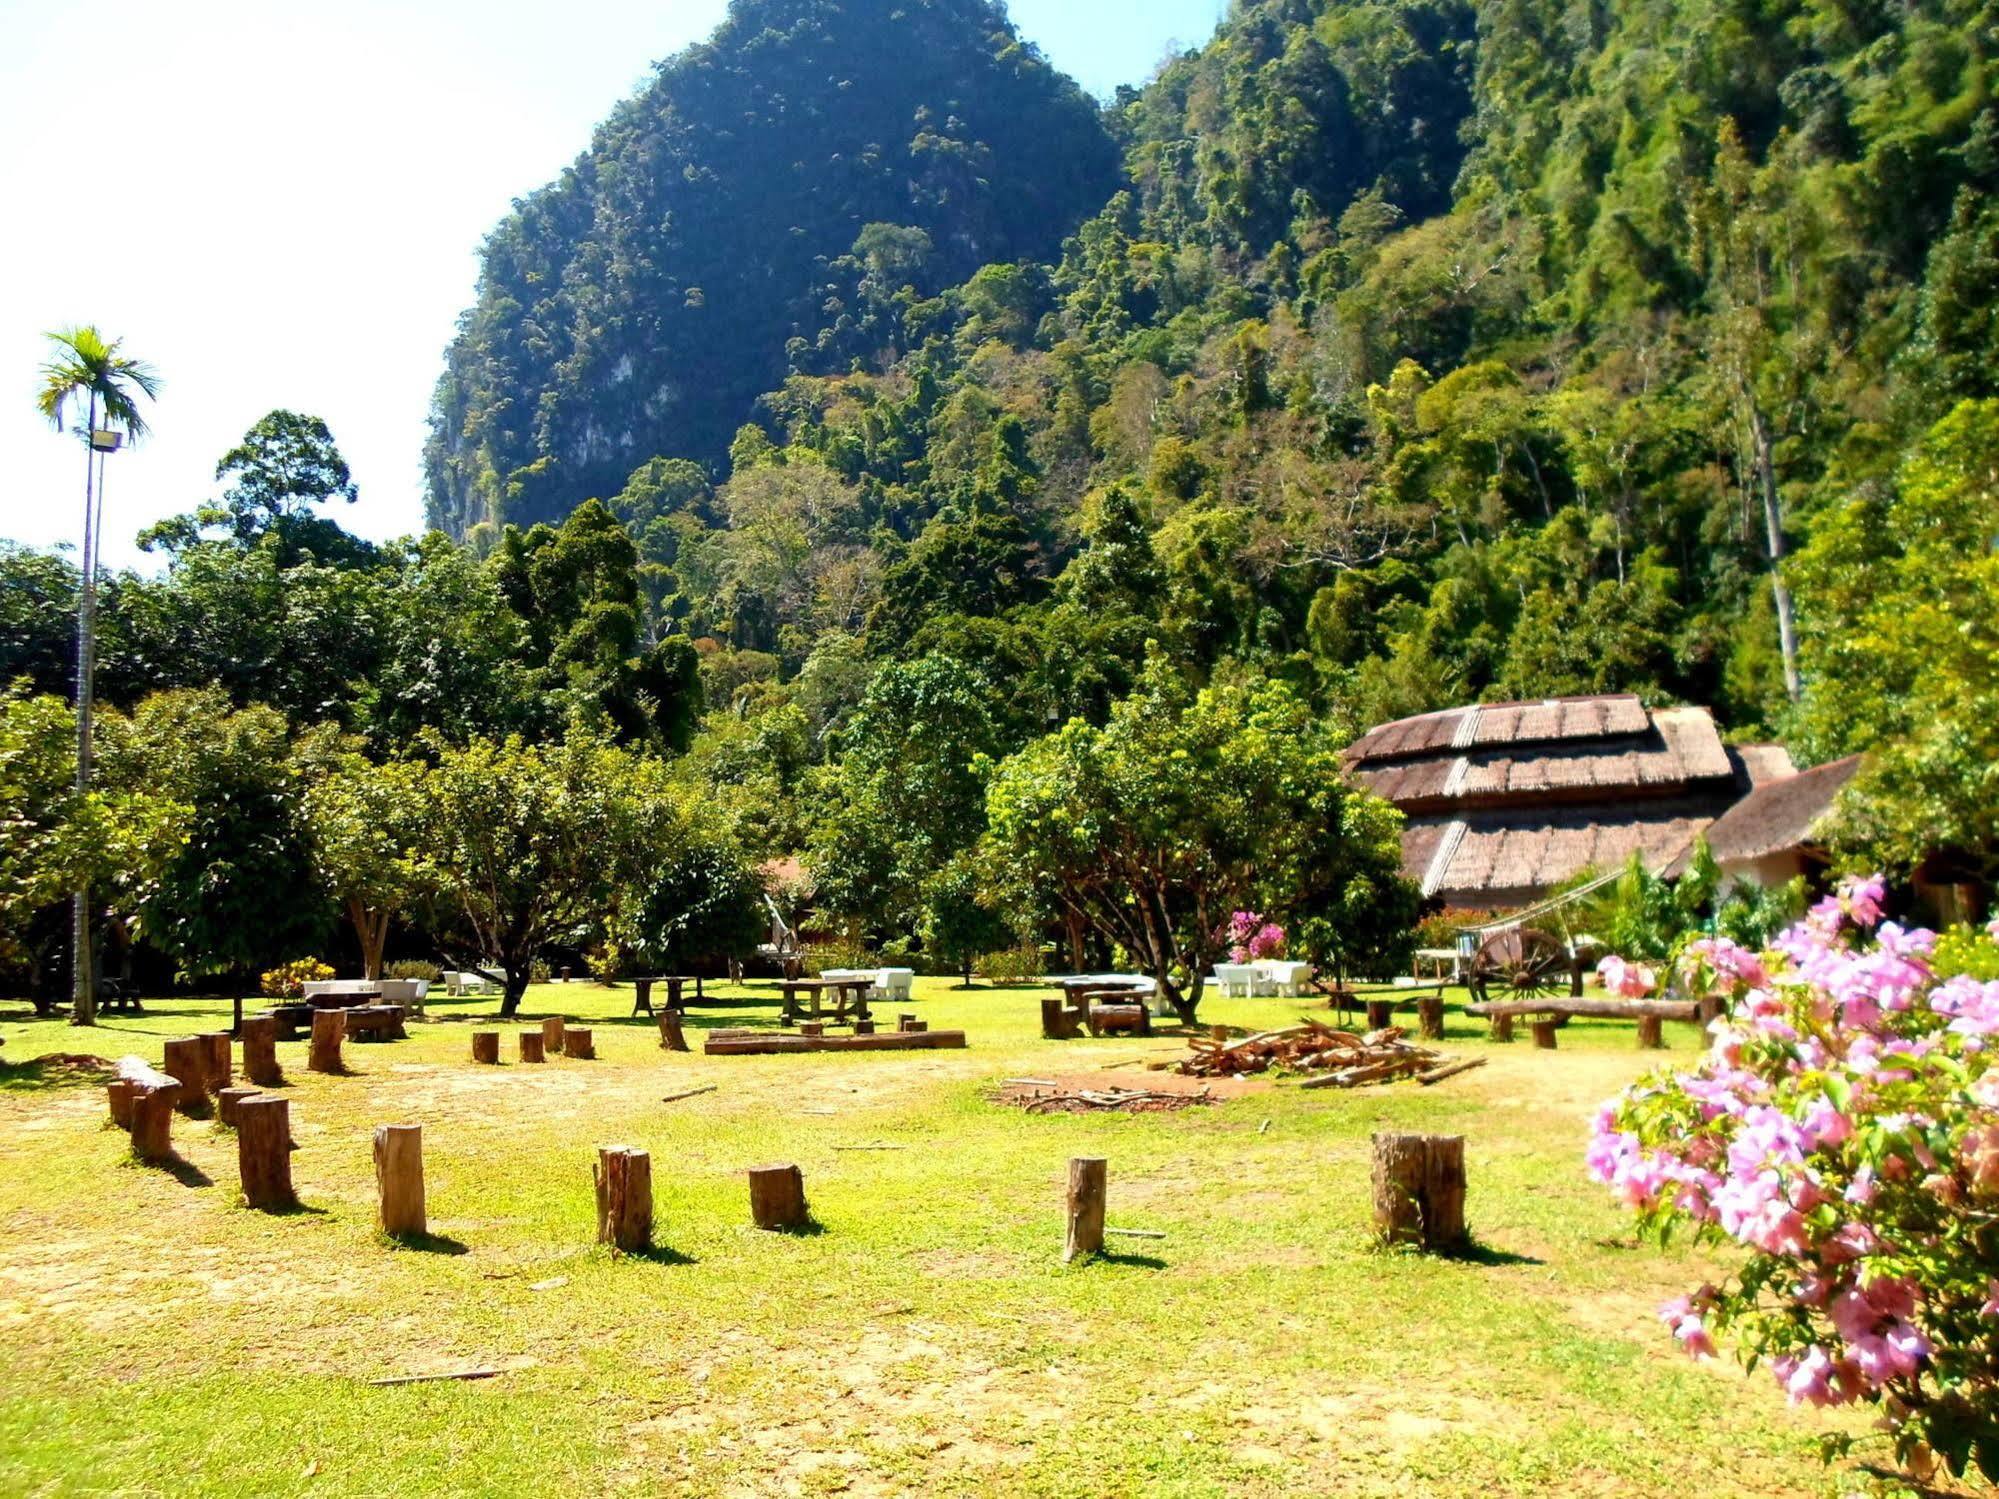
517,985
1774,544
1088,1188
399,1176
371,930
83,990
624,1197
1419,1189
264,1151
260,1051
777,1197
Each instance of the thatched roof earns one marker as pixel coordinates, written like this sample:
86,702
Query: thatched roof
1508,800
1778,816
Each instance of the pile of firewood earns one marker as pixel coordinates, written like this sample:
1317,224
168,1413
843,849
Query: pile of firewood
1037,1097
1334,1058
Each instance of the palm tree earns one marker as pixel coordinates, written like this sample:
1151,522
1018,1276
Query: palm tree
85,367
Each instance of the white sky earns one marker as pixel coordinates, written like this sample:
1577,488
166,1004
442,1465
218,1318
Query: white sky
280,204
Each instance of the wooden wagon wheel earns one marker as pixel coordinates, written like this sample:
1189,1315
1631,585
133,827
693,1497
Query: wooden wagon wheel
1521,962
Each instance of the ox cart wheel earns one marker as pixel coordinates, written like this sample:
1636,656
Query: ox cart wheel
1522,962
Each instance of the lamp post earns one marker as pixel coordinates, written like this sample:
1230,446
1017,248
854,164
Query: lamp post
103,442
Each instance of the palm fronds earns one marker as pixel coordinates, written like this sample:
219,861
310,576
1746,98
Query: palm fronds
84,364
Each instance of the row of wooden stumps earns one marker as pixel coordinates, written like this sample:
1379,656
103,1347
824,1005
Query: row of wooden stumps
624,1198
553,1038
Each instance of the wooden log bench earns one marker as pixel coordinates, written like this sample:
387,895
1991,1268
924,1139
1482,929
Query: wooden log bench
1545,1015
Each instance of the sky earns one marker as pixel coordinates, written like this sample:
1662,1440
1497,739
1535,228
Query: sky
280,205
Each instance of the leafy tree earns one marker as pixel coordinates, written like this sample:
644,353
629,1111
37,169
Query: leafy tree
367,825
959,922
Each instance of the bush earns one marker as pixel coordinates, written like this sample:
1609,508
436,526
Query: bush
289,981
1844,1130
1442,928
844,952
1013,965
1965,950
538,971
412,969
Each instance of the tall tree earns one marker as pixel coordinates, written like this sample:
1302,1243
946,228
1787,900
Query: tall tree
87,368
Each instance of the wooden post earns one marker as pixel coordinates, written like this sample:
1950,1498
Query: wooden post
812,1028
399,1176
1054,1020
1502,1027
1380,1014
229,1103
1544,1034
777,1197
260,1051
1419,1189
671,1037
624,1197
531,1046
119,1093
329,1029
551,1035
187,1063
152,1122
1651,1033
578,1044
1430,1017
904,1022
1089,1178
220,1063
264,1150
864,1027
486,1047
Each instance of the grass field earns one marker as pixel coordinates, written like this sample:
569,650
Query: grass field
158,1338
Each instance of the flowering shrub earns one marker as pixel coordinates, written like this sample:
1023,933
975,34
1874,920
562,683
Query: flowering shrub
289,981
1250,937
1844,1129
1626,980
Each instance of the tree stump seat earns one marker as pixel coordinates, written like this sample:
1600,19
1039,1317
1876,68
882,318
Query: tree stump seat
1131,1020
376,1023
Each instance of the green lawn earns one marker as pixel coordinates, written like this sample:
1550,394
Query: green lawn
157,1337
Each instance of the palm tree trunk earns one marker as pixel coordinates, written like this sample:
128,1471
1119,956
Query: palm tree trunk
84,989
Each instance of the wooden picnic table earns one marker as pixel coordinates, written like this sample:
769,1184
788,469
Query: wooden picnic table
676,985
814,988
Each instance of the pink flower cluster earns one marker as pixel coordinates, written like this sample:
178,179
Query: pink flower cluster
1626,980
1250,937
1843,1131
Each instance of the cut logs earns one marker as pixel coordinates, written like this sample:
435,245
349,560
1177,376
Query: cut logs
1089,1179
1380,1014
329,1029
486,1047
219,1061
1430,1017
187,1064
264,1151
1419,1190
777,1197
1336,1058
229,1103
260,1051
531,1046
624,1197
671,1036
578,1044
399,1179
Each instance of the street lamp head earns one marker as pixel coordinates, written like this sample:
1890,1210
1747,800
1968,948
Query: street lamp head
105,440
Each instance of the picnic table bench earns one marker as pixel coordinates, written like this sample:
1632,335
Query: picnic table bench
676,985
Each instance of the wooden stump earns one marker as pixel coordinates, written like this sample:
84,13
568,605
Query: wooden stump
551,1035
399,1178
531,1046
578,1044
1419,1189
260,1051
777,1197
1502,1027
864,1027
1430,1017
908,1022
1380,1014
1089,1179
918,1027
1651,1033
187,1064
671,1037
119,1094
229,1103
486,1047
1544,1034
152,1122
264,1151
1054,1021
329,1029
220,1063
812,1028
624,1196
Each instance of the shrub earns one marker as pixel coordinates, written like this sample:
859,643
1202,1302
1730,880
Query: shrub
1965,950
1441,928
538,971
1012,965
1249,937
1844,1130
845,952
413,969
289,981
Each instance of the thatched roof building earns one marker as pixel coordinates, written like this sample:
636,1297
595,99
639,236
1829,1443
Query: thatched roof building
1773,833
1505,801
